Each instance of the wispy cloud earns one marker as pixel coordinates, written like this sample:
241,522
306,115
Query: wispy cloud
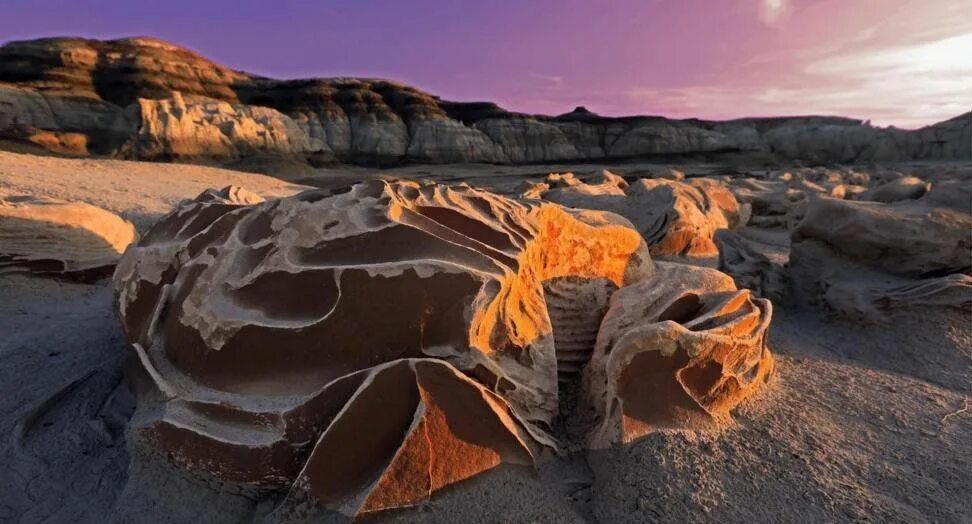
547,81
920,76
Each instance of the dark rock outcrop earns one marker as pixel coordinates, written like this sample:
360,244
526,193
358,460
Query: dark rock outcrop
147,99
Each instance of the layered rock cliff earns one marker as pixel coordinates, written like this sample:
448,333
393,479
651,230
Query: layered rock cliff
144,98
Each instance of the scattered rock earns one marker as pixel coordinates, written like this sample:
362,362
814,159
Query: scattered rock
234,195
904,188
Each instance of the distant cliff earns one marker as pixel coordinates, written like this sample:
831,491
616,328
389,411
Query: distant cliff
143,98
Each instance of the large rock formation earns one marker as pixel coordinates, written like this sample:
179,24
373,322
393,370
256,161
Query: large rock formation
145,98
363,348
50,236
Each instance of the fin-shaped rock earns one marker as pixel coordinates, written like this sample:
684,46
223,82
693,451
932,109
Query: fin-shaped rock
411,428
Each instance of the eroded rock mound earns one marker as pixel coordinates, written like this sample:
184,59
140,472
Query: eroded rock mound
862,259
267,332
679,349
46,235
677,219
361,348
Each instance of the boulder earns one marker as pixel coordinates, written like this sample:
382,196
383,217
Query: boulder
904,188
908,238
864,260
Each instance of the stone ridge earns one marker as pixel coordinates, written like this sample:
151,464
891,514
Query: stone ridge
144,98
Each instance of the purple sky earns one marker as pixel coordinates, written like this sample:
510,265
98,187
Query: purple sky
901,62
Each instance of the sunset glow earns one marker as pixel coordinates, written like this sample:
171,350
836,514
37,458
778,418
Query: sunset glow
895,62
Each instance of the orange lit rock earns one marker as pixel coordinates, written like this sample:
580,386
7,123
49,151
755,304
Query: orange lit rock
436,426
677,219
364,347
688,216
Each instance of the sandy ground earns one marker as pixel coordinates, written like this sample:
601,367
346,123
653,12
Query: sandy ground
138,191
861,422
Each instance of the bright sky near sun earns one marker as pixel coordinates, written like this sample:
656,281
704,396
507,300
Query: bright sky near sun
897,62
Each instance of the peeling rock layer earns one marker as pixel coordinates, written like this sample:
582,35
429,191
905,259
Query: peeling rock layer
148,99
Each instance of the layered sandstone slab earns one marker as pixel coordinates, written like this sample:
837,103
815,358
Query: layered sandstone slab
46,235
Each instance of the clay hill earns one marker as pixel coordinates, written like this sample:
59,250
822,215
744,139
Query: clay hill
146,99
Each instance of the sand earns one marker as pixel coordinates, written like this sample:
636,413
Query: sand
138,191
861,422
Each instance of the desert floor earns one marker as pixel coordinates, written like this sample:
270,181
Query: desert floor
861,422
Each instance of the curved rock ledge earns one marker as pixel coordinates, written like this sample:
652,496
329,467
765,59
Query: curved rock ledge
51,236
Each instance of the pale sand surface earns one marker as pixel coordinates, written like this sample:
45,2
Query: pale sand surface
861,422
138,191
